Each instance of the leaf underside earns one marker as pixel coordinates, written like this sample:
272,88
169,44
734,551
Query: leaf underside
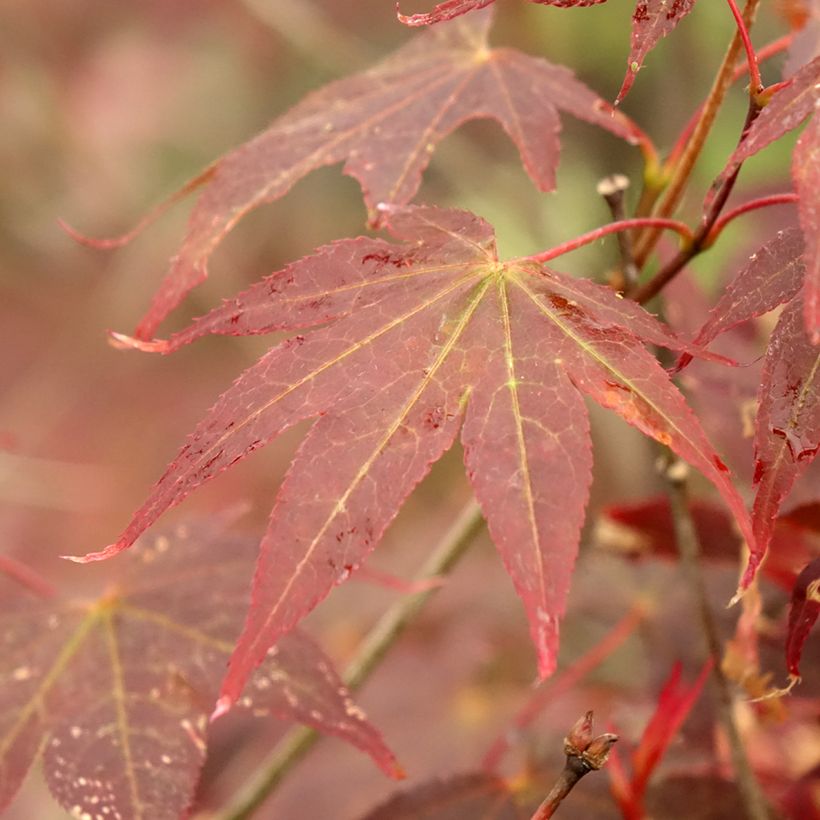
115,694
384,124
423,339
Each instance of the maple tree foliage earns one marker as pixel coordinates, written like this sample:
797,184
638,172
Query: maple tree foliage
115,693
428,333
384,124
398,347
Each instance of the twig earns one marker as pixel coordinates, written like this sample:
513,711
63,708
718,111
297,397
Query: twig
612,189
585,754
689,549
686,162
295,745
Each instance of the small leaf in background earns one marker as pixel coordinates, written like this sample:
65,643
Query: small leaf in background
115,693
787,429
471,796
442,331
384,124
806,174
803,611
651,21
674,705
645,528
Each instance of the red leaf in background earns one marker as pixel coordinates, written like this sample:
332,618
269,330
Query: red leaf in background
771,277
806,174
441,330
116,692
674,704
465,796
651,21
455,8
384,125
645,528
787,108
803,611
787,429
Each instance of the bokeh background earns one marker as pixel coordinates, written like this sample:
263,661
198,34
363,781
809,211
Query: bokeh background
108,107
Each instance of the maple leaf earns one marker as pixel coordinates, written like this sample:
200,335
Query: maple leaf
804,608
651,21
429,333
116,693
450,9
787,429
384,124
806,174
469,795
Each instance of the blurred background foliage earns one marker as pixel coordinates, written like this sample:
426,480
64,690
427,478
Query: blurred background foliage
105,109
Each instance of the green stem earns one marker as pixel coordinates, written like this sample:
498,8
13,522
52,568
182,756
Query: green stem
296,744
688,545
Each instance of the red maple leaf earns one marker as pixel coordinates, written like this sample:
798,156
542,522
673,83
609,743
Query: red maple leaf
422,338
384,124
115,693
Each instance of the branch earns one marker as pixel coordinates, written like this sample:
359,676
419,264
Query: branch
296,744
689,549
585,754
686,162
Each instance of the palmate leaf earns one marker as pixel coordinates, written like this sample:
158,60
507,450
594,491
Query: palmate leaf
430,333
384,125
115,693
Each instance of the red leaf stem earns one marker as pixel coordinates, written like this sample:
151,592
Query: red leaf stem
604,230
755,86
752,205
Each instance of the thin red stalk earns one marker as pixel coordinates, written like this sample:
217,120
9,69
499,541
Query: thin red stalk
563,683
27,577
752,205
612,227
755,85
